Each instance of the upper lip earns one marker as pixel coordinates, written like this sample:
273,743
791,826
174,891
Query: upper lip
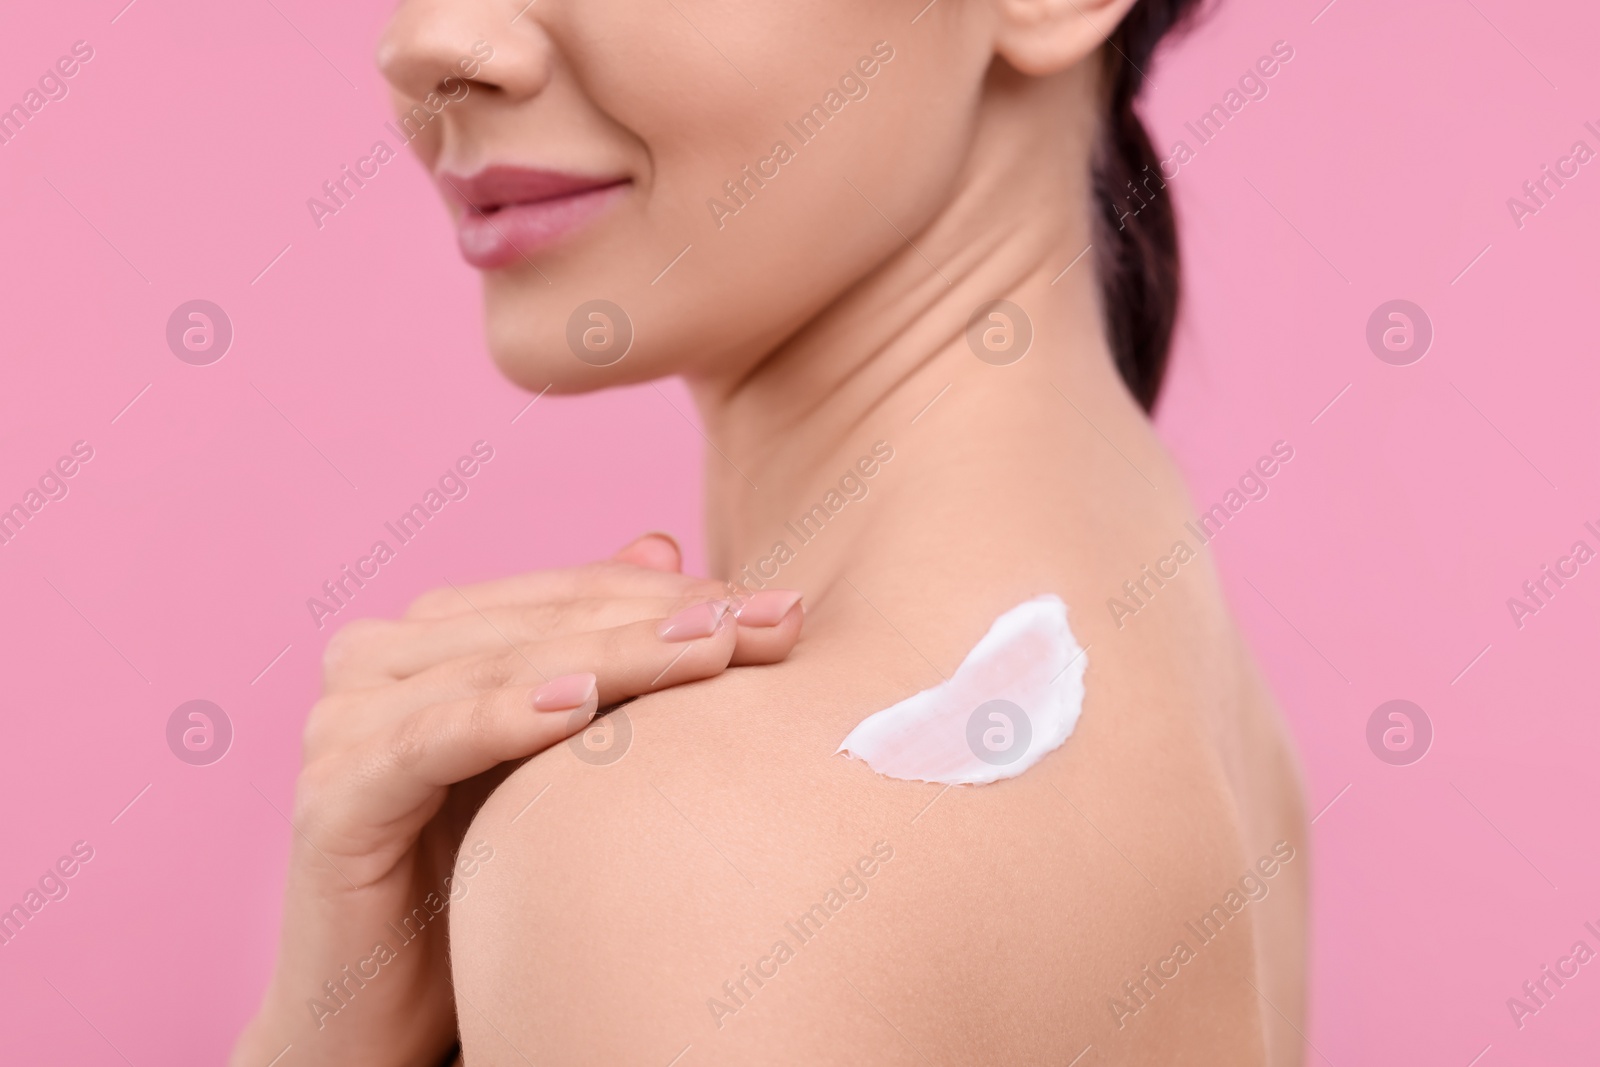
496,186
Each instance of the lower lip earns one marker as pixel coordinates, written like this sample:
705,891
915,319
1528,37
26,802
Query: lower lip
511,234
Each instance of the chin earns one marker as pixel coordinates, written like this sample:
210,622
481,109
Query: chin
529,354
578,337
527,340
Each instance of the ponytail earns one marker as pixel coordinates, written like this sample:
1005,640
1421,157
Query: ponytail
1136,232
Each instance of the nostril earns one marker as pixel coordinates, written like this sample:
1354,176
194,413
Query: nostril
427,43
432,46
415,74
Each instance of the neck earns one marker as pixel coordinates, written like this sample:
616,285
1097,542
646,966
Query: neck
889,364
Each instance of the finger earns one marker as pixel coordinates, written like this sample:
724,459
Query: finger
628,661
644,657
442,744
448,743
655,551
371,652
605,578
769,625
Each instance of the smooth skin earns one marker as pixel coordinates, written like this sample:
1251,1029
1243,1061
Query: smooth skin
623,913
420,719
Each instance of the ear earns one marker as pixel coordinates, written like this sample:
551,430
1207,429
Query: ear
1040,37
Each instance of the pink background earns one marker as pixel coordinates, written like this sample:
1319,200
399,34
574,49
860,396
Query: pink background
1378,568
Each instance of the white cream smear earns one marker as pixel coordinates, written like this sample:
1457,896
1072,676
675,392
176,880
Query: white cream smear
1014,699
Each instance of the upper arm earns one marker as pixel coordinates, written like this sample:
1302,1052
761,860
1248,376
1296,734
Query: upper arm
659,903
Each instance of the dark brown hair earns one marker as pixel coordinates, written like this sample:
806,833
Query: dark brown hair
1136,238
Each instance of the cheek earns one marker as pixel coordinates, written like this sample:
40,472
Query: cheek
860,175
670,258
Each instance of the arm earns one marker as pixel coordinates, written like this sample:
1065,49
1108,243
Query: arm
641,911
419,720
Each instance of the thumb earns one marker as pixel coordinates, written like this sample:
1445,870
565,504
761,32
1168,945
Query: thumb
655,551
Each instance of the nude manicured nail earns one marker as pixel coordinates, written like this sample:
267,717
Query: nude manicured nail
564,693
766,608
691,624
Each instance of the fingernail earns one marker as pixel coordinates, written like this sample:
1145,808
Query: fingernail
766,608
664,536
691,624
564,693
654,535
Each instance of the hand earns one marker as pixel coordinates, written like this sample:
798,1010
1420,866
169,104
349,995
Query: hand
419,720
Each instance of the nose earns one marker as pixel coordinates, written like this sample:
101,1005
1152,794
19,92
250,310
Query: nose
494,45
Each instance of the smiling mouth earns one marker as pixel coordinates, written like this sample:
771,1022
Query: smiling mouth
507,214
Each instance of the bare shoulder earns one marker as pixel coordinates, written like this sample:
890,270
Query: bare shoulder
716,879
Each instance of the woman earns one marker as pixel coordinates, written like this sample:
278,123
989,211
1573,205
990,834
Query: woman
809,211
